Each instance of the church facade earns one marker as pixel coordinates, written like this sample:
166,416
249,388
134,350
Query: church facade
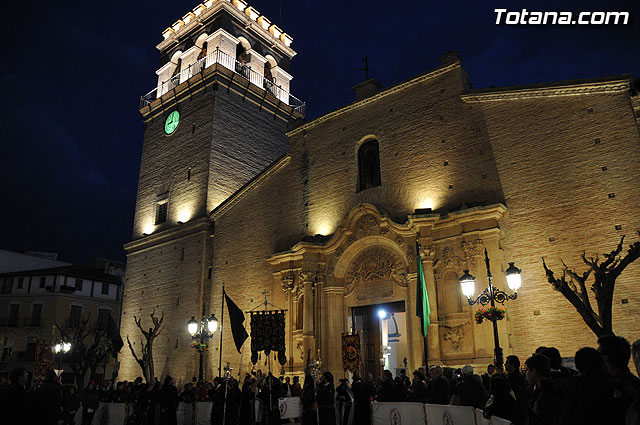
235,189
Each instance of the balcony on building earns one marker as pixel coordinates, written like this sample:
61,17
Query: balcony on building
219,61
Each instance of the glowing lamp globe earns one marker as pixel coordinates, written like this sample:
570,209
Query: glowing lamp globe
514,278
212,323
192,326
467,283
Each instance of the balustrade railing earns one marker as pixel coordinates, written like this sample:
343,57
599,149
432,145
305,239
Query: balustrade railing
229,62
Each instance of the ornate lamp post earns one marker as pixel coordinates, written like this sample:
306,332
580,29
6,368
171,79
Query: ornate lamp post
200,332
491,295
61,348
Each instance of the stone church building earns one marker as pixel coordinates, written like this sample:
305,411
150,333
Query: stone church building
237,189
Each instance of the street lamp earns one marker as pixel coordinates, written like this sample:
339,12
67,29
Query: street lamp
61,348
491,295
202,331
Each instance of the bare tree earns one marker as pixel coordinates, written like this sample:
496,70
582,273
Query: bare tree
86,354
145,361
604,275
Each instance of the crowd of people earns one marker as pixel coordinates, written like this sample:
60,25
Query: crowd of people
541,392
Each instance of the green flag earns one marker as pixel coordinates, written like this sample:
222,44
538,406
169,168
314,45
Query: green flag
422,303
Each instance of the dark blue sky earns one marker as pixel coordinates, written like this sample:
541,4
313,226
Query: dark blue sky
72,74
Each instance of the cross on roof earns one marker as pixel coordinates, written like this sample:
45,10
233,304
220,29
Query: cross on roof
366,69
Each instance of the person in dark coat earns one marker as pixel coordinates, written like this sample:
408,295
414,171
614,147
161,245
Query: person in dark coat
486,377
344,398
13,400
439,386
546,404
518,385
233,399
418,392
501,403
296,390
363,393
168,401
70,403
469,391
248,396
269,398
216,395
590,395
48,400
616,352
146,406
387,391
90,403
401,390
326,400
309,404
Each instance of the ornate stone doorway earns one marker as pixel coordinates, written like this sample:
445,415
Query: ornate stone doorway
369,261
368,321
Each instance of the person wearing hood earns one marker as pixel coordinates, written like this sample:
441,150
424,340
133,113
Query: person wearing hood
48,400
90,403
168,401
326,400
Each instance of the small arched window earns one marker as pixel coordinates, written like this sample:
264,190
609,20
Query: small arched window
368,165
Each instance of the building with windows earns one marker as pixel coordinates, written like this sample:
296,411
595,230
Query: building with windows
32,301
236,189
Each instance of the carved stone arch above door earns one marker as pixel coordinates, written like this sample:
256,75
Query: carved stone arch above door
371,267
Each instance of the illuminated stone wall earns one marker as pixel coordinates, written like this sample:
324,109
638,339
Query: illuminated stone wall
443,147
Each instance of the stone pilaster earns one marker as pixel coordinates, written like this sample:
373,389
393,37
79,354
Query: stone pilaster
433,330
334,309
307,279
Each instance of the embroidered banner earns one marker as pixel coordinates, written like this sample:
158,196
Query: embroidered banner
267,334
44,360
351,359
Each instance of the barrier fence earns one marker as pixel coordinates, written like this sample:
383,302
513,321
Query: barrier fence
291,407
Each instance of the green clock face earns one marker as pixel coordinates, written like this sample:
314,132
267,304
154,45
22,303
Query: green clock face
171,123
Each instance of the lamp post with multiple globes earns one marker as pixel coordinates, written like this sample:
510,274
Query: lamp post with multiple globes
491,295
200,332
61,348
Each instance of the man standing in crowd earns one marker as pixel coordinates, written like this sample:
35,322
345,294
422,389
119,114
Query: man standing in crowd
518,385
547,400
469,391
13,398
616,352
439,386
486,377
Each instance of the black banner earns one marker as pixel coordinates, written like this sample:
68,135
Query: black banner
267,334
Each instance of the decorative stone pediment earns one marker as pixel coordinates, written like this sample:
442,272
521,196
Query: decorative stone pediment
472,248
448,260
366,225
373,273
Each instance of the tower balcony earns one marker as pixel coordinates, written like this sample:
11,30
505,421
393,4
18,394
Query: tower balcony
221,59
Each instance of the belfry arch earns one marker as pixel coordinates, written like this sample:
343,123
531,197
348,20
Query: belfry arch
335,285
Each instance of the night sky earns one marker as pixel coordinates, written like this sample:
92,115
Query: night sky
73,72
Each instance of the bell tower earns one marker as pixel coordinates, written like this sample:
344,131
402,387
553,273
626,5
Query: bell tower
216,118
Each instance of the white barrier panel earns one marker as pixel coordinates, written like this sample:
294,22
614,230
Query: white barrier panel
494,420
185,413
290,407
436,414
114,413
398,413
203,412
